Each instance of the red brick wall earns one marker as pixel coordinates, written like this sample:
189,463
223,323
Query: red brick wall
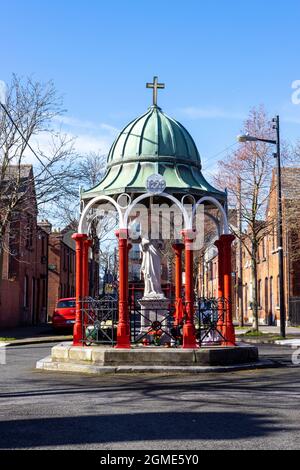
29,262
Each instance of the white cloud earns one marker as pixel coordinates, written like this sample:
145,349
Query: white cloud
194,112
85,143
75,123
3,90
87,136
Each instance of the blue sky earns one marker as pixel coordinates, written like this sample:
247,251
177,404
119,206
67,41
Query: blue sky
217,58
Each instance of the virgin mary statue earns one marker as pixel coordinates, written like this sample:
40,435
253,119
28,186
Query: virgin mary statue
151,269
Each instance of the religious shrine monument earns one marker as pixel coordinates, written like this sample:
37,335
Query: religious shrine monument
154,161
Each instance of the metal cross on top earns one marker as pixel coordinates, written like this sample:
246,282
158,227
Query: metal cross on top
156,86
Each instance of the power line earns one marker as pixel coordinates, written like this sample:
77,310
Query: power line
218,154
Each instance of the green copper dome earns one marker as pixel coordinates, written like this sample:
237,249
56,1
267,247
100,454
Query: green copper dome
151,137
153,143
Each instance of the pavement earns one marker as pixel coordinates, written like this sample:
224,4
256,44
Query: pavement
274,330
34,335
257,409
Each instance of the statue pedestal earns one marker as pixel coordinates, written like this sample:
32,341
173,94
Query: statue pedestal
155,317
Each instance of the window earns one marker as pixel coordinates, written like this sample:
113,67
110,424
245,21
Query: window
66,304
273,239
43,246
246,298
29,230
71,262
44,293
264,248
26,293
211,268
14,249
278,292
271,296
259,293
65,258
266,296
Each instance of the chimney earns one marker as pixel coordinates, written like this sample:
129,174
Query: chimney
46,226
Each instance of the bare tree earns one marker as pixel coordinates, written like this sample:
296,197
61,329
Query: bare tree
91,169
253,164
30,108
87,171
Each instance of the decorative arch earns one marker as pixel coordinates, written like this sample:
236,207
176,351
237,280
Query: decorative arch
92,203
224,227
187,220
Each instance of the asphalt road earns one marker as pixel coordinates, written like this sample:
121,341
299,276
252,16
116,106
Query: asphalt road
241,410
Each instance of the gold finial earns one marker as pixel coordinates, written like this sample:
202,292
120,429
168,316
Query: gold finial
155,86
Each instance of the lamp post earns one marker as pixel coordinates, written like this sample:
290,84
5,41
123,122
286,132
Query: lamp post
248,138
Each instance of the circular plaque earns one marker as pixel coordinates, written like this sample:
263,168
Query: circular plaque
156,184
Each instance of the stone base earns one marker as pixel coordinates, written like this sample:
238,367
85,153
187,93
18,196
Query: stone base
96,360
154,310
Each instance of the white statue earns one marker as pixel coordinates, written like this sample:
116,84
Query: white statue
151,269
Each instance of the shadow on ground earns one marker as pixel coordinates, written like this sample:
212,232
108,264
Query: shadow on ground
102,429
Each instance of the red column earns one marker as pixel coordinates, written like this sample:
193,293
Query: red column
221,305
228,328
189,337
77,335
123,332
178,249
85,269
129,300
129,246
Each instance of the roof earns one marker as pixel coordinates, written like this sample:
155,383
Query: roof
14,170
65,236
153,143
152,136
18,179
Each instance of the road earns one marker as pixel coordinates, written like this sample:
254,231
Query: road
241,410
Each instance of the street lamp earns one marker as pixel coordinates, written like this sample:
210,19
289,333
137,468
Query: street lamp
249,138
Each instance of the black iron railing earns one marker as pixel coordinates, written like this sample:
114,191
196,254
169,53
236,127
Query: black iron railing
210,319
100,320
152,326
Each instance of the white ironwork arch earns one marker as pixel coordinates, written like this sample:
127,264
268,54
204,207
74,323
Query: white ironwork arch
225,227
92,203
187,220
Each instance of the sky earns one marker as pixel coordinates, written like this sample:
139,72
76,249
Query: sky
217,58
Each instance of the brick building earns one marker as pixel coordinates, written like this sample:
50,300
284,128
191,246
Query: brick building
267,262
268,266
23,297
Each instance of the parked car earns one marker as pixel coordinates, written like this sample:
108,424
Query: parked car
64,314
